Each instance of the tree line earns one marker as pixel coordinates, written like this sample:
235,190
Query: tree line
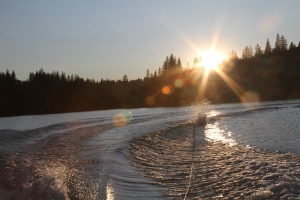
272,74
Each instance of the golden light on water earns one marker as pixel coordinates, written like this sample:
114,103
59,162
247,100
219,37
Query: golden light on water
110,191
214,133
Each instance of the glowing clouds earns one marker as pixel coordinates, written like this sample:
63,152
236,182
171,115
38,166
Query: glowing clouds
121,119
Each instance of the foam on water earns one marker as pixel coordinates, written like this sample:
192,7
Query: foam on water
219,170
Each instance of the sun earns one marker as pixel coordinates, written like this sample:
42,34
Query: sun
210,59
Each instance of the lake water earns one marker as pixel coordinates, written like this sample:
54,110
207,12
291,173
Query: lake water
154,153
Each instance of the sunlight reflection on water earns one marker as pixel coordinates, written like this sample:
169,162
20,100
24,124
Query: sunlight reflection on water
214,133
109,191
213,113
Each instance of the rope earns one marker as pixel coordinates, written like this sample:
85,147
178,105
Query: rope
192,166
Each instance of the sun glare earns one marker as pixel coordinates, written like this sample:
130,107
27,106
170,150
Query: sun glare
210,59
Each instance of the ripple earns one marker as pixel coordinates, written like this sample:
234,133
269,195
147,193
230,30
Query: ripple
201,169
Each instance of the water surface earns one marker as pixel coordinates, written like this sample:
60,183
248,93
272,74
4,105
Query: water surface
149,153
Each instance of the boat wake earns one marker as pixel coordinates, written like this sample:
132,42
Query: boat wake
158,154
198,169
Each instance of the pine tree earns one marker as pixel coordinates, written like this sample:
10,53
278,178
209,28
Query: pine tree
268,47
159,72
250,51
31,77
292,46
63,77
278,41
7,75
172,62
258,50
233,55
244,53
247,52
13,75
165,66
283,43
178,64
147,74
196,62
125,78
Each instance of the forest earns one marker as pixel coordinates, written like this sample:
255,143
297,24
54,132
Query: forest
258,75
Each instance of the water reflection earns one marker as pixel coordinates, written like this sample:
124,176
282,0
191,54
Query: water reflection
109,191
213,113
214,133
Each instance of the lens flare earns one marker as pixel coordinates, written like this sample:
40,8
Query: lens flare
178,83
166,90
122,118
119,120
150,100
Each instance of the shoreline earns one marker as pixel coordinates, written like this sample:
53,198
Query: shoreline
122,108
214,170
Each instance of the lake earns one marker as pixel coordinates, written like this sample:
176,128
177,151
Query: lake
245,150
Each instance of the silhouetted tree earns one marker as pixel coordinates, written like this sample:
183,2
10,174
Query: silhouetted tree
268,48
7,75
178,64
292,46
258,50
272,76
278,44
165,65
159,71
172,62
233,55
247,52
147,74
283,43
125,78
13,76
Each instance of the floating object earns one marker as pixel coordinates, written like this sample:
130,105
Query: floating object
201,120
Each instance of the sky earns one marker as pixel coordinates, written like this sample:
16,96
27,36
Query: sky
110,38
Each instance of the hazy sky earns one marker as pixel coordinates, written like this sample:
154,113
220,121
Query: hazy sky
110,38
